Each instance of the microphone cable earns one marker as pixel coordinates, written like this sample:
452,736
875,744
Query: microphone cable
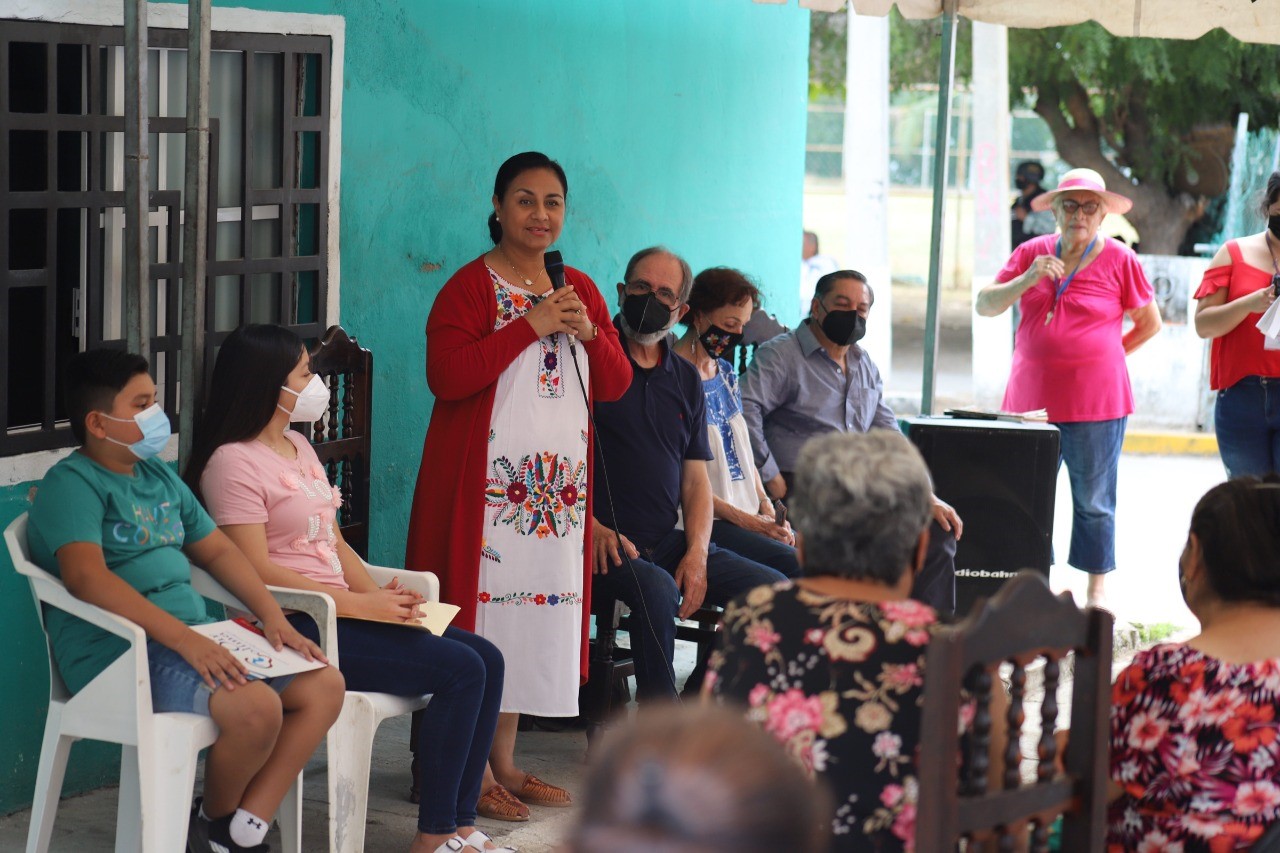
557,281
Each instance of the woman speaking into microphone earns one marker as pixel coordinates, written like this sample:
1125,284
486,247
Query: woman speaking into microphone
501,509
1074,290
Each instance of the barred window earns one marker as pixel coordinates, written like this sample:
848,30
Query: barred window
62,202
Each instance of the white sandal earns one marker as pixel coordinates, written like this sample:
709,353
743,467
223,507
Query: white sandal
476,841
453,845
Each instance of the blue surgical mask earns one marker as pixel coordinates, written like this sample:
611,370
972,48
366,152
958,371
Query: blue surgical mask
154,424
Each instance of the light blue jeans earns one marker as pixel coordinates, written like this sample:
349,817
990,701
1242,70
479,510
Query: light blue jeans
1091,450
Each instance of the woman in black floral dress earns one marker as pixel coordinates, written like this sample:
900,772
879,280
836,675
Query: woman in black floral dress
832,664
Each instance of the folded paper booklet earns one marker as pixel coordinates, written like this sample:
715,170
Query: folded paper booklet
244,640
1037,416
436,616
1269,325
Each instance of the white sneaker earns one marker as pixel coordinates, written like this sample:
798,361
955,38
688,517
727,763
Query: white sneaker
476,841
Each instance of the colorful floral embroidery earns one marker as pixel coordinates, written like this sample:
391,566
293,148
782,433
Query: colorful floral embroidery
492,436
512,303
537,599
488,552
583,433
549,384
542,494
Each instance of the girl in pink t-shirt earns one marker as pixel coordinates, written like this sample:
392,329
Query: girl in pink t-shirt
266,489
1073,292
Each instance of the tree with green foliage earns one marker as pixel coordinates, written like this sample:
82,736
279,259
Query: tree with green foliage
1155,117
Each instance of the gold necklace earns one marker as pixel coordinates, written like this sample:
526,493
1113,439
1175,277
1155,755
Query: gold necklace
528,282
296,459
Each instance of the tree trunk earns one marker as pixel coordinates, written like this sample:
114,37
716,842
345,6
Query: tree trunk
1161,219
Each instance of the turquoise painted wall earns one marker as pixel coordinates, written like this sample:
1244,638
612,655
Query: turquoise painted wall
678,121
24,670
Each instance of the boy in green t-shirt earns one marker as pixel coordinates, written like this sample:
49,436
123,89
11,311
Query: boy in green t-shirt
118,526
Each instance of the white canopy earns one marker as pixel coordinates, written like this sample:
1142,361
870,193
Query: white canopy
1248,20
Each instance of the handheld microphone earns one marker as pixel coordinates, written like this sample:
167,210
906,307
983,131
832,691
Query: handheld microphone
554,264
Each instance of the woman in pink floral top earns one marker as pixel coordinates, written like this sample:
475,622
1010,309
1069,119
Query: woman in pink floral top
832,664
1194,747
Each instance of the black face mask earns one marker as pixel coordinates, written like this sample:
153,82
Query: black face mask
645,314
1273,225
716,341
844,327
1020,182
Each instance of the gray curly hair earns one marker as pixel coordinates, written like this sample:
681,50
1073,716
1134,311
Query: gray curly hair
860,502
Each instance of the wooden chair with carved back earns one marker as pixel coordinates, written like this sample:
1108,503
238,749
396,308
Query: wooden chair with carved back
342,436
1022,624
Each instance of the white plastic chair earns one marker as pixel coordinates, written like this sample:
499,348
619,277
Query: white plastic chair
159,751
350,740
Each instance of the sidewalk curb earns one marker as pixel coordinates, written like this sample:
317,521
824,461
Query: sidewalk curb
1154,443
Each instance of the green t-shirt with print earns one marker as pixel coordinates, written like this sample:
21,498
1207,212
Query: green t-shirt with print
141,522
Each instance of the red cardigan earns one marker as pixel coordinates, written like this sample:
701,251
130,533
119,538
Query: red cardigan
465,357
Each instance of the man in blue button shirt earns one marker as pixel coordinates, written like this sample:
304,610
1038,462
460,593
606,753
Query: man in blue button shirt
651,494
816,380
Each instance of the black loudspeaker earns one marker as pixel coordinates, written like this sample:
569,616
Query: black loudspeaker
1002,479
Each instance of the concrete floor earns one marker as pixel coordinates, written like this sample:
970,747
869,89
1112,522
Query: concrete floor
86,823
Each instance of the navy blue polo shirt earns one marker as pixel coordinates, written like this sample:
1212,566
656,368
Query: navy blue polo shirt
643,440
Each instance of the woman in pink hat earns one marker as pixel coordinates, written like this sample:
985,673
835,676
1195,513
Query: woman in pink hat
1238,287
1073,291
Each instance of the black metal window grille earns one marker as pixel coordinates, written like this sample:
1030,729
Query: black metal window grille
62,203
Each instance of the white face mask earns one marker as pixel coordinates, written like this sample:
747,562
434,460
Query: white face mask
313,401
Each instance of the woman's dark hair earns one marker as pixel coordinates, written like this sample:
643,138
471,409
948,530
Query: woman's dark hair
698,780
717,287
252,365
1272,193
512,169
1238,525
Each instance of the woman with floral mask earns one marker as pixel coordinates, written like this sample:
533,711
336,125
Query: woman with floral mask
720,304
1240,285
266,489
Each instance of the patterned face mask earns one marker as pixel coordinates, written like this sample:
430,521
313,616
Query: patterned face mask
716,341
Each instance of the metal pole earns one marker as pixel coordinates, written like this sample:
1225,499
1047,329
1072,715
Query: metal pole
946,74
195,196
137,180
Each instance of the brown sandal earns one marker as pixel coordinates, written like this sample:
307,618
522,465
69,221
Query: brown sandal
498,803
535,792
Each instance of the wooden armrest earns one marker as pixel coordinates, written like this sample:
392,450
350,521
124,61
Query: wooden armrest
425,584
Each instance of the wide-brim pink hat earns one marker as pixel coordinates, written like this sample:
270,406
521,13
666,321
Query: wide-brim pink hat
1083,180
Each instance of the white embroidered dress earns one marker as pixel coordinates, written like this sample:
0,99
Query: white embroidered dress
530,591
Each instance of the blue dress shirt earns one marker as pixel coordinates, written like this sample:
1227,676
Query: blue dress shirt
793,390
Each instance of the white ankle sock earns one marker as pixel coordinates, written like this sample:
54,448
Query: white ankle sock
247,829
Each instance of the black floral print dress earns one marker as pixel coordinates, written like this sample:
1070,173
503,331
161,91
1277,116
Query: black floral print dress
839,683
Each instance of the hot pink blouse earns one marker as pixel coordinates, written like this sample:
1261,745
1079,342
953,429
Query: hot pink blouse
249,483
1074,365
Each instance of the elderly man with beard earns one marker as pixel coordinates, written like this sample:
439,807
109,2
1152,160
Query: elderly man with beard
652,500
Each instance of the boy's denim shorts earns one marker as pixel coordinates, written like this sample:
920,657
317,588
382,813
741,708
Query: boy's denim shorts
177,687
